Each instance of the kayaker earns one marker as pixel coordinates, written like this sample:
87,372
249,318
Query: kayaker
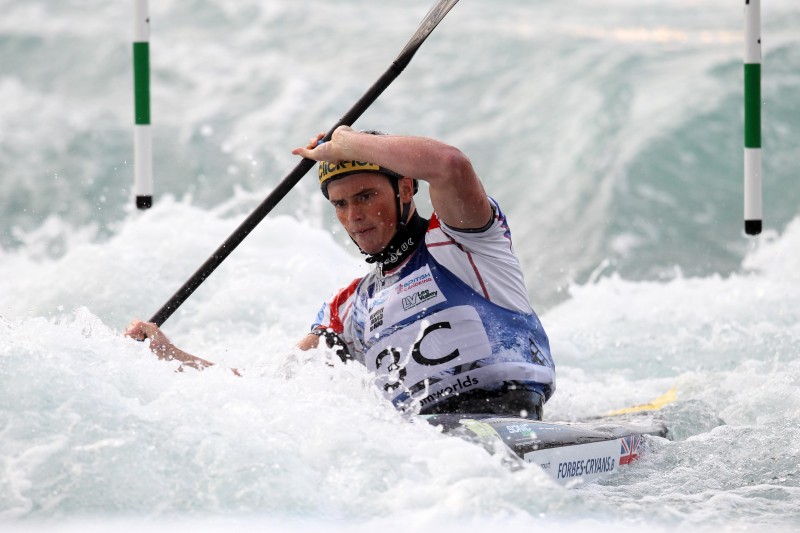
443,319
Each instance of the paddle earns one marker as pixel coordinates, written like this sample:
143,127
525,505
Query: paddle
429,23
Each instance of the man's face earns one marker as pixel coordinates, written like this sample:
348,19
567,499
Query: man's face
366,206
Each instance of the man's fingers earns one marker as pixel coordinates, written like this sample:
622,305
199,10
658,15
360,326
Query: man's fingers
140,331
314,141
134,330
308,151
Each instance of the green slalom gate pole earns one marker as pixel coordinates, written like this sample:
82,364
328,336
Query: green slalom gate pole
142,136
752,117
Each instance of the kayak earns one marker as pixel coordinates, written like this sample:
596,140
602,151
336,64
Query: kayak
567,451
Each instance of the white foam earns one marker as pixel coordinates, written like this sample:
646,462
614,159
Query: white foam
93,426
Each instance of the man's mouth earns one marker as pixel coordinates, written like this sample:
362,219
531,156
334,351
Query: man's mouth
362,232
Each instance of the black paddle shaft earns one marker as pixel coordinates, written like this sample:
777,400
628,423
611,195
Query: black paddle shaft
431,20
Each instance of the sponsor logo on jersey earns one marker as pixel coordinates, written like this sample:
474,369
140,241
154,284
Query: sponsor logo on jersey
376,319
459,385
418,298
416,281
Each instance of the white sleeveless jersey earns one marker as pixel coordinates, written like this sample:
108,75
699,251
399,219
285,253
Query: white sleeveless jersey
453,317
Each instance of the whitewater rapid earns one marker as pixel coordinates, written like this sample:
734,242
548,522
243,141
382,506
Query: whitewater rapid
610,133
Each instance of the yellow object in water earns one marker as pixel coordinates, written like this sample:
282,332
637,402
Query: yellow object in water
663,400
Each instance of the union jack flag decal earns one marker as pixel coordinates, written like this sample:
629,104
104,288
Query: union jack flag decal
630,445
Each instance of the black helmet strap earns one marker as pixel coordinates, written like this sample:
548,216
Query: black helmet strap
405,241
402,208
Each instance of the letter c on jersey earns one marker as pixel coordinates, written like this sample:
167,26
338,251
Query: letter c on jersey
421,359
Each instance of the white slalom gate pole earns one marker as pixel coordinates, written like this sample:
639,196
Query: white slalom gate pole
752,117
142,136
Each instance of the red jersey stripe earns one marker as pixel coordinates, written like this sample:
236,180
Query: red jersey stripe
337,324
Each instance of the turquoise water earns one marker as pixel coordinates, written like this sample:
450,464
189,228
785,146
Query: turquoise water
611,134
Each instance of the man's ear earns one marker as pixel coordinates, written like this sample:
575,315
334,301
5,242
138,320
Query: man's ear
406,189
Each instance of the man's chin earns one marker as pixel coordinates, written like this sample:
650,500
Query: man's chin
370,250
368,247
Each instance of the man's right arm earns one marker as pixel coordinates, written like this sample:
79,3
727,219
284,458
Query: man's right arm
162,346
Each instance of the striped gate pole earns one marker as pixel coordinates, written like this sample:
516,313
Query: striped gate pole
142,136
752,117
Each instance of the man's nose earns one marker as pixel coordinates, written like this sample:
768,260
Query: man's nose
354,213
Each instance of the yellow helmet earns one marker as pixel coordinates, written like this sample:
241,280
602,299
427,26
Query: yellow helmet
334,171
